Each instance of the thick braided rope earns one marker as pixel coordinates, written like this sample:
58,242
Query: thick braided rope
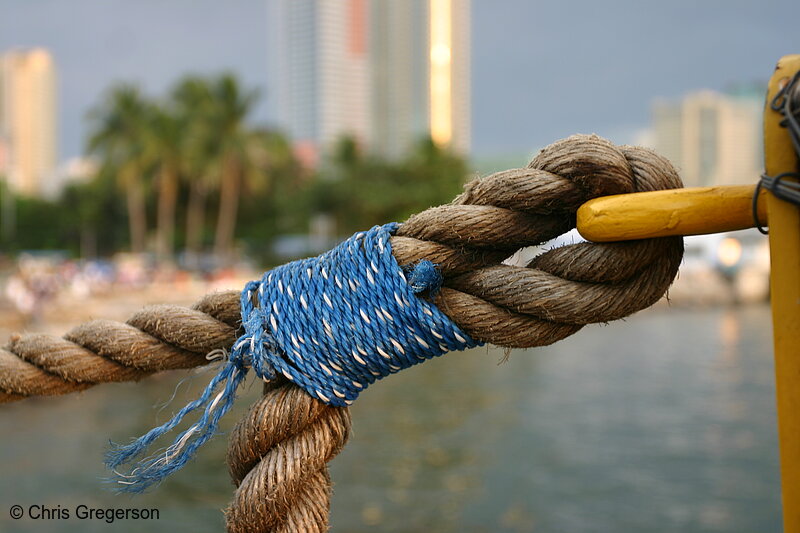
277,458
158,338
510,306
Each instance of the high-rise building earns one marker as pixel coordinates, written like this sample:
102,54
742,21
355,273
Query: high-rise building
323,89
28,119
382,71
712,138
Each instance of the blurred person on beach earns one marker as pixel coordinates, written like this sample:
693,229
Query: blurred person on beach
29,289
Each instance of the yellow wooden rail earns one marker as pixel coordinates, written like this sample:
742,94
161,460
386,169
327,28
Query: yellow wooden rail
695,211
719,209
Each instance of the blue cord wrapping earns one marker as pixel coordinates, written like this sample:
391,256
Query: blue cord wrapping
331,324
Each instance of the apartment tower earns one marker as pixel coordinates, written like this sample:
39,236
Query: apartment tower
384,72
712,138
28,120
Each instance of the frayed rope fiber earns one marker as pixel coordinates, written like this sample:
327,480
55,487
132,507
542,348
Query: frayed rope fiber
331,324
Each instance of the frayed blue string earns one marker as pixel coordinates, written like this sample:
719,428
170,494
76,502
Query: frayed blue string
332,325
156,467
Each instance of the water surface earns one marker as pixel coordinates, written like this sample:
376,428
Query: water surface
664,422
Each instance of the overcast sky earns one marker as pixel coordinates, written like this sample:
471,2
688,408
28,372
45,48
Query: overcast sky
541,70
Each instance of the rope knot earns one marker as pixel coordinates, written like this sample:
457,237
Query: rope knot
332,325
424,277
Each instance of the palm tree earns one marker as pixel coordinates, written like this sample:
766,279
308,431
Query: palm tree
118,138
231,107
193,102
165,147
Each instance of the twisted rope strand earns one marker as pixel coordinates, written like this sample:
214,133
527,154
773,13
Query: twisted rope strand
155,339
277,458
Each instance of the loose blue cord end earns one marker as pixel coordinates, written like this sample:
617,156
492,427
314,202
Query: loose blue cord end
153,469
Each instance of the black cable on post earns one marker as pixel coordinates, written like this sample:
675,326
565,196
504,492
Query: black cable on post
787,103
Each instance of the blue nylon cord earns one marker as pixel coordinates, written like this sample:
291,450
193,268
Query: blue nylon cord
332,324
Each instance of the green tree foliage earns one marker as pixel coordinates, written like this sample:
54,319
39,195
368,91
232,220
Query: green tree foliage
87,220
361,190
95,216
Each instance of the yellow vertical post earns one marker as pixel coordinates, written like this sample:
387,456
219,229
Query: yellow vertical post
784,243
